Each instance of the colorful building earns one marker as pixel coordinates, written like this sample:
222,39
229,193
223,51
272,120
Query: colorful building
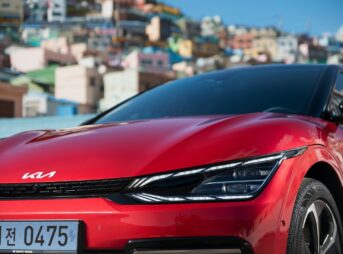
200,47
43,104
147,61
22,59
11,12
11,100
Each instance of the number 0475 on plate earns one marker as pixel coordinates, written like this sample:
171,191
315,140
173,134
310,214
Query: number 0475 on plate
39,236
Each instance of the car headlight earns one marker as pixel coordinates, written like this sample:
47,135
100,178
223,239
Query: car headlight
238,180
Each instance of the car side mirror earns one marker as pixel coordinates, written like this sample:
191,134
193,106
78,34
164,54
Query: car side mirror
338,118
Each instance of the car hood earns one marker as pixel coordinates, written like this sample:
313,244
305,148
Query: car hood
150,146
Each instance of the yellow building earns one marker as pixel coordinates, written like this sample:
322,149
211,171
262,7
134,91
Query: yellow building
264,42
266,45
163,8
189,48
186,48
11,11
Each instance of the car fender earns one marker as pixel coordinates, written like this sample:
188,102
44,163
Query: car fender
300,167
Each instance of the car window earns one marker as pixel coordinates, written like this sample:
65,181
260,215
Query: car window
337,96
285,90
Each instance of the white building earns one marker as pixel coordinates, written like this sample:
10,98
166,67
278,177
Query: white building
287,49
42,104
339,34
107,7
121,85
210,26
144,69
57,10
80,84
237,30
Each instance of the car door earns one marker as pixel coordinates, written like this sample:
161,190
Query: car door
334,107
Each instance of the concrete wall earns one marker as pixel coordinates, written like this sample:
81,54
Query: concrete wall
79,84
119,86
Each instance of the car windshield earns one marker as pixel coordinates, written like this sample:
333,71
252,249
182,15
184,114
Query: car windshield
238,91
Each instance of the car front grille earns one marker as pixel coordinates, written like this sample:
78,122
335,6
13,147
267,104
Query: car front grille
63,189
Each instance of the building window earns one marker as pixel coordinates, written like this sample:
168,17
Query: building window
32,108
92,81
5,5
7,108
146,62
160,63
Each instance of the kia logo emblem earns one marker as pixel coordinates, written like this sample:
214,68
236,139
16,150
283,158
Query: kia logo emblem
38,175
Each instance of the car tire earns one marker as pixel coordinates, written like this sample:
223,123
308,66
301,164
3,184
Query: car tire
315,213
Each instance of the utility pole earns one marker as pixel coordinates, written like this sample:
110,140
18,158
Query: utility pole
117,17
308,26
281,22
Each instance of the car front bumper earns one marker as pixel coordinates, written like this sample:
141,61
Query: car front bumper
253,226
236,227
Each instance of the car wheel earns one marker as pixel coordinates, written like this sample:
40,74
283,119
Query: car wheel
316,224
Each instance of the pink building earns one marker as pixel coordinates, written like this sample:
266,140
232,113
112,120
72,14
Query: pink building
54,51
30,59
61,45
147,62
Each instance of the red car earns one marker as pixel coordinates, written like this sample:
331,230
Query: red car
246,160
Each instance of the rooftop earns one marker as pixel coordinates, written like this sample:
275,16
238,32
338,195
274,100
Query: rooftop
44,76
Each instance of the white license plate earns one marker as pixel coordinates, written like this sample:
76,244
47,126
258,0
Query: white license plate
39,236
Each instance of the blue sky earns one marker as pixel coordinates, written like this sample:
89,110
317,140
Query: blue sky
314,16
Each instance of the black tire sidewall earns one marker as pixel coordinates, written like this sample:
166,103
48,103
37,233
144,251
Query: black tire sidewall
310,191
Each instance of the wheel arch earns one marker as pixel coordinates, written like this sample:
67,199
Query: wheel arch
326,174
317,163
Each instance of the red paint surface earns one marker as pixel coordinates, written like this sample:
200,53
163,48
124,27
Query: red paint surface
153,146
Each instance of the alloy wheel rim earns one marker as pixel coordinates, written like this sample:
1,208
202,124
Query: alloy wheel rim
319,230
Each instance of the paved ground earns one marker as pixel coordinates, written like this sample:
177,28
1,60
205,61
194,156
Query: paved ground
10,127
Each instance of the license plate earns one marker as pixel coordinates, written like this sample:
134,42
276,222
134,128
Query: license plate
39,236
